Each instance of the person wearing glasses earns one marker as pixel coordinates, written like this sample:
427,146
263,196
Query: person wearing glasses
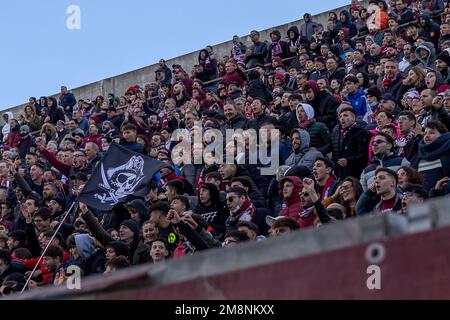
383,156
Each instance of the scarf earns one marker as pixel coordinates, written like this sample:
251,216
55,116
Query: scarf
387,82
306,124
345,131
246,212
306,213
403,141
326,188
276,49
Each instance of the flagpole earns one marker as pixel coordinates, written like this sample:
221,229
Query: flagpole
48,245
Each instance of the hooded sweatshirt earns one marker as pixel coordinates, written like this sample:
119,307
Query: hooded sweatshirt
302,156
215,214
428,62
139,206
347,24
359,102
292,205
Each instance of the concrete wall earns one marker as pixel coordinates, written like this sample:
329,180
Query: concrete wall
119,84
329,262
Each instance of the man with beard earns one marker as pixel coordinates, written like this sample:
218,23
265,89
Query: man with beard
442,64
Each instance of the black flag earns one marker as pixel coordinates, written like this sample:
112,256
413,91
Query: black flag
120,174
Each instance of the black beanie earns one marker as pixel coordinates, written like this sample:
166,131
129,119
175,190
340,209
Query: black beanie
132,225
444,56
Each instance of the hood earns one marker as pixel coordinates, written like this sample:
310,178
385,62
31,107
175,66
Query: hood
309,110
436,149
439,78
304,138
347,15
298,187
85,245
277,33
427,18
10,115
429,47
314,86
215,193
296,32
139,206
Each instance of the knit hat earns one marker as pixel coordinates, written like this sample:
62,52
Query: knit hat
374,91
132,225
25,128
119,247
444,56
280,76
60,201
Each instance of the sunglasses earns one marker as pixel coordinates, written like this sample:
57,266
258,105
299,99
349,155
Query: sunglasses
230,199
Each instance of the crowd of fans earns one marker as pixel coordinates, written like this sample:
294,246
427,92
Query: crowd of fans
362,108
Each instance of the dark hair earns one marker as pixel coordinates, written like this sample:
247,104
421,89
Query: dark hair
184,200
240,236
351,78
129,126
436,125
161,206
389,172
408,114
239,191
19,235
177,185
159,240
44,213
214,175
249,225
119,262
54,252
288,222
389,139
22,253
414,177
328,163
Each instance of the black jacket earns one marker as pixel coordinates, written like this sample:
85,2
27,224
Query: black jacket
257,89
259,121
354,147
259,54
325,106
238,122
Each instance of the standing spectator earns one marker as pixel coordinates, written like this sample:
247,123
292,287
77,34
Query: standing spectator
67,101
307,28
324,104
257,53
350,144
238,50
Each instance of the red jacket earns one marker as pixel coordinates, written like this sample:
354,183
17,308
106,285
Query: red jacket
46,274
234,77
292,205
13,139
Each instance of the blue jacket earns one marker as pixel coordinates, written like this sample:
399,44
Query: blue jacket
359,102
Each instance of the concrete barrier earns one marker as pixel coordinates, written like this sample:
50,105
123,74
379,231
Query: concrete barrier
330,262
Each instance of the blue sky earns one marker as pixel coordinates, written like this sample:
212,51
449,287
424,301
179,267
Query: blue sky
39,53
